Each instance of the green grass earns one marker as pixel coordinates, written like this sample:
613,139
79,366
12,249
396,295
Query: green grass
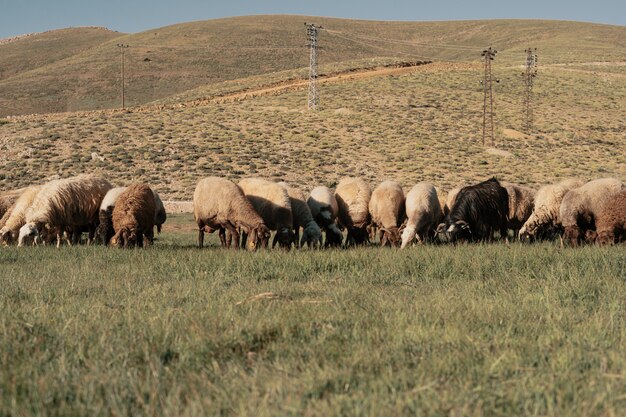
468,330
168,61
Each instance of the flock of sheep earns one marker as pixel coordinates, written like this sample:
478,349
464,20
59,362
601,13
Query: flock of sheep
247,213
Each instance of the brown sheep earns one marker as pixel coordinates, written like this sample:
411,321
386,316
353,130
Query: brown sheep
133,217
521,204
611,220
387,209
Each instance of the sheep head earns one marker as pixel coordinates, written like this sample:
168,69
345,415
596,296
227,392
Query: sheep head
29,234
459,230
6,237
312,236
572,235
606,237
259,237
391,236
334,237
124,238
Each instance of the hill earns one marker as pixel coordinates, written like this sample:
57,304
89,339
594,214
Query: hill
423,123
171,60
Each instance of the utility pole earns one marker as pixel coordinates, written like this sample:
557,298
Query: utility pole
488,55
311,34
122,48
529,74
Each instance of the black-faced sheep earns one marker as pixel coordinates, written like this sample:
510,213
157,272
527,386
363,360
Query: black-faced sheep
303,218
67,204
353,198
478,212
271,201
104,231
133,217
423,210
160,215
219,204
544,221
521,204
15,216
324,209
611,220
387,212
581,206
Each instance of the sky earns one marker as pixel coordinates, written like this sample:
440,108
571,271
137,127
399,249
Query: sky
27,16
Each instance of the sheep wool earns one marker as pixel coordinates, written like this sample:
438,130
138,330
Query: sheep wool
387,211
133,217
423,210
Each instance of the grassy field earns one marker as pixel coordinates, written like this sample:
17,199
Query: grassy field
470,330
171,60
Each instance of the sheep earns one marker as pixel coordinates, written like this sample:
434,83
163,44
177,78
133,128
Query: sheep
478,211
387,211
15,217
611,220
160,215
544,221
353,197
65,204
302,217
324,209
7,199
104,231
133,217
272,203
521,204
451,199
219,204
424,213
581,206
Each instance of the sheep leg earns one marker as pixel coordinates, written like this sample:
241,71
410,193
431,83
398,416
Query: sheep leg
139,241
222,235
200,237
297,233
232,230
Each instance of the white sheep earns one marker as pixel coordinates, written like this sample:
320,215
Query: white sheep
302,217
324,209
353,197
582,205
387,211
272,203
423,210
67,204
219,204
544,220
15,217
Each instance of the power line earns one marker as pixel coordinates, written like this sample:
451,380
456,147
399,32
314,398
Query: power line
529,74
488,55
122,48
311,33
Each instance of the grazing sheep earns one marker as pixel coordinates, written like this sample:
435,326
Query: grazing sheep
133,217
387,211
272,203
450,199
611,220
423,210
324,210
160,216
15,216
544,221
7,199
104,231
478,211
581,206
302,217
353,197
219,204
521,204
66,204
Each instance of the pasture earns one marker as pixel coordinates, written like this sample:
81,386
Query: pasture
432,330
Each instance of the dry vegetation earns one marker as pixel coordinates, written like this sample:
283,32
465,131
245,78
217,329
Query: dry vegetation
425,124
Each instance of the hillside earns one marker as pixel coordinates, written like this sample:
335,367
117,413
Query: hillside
171,60
420,124
41,49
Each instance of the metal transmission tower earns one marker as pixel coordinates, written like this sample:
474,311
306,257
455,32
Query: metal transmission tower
488,55
122,48
311,34
529,74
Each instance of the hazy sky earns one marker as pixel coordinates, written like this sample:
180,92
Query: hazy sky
25,16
